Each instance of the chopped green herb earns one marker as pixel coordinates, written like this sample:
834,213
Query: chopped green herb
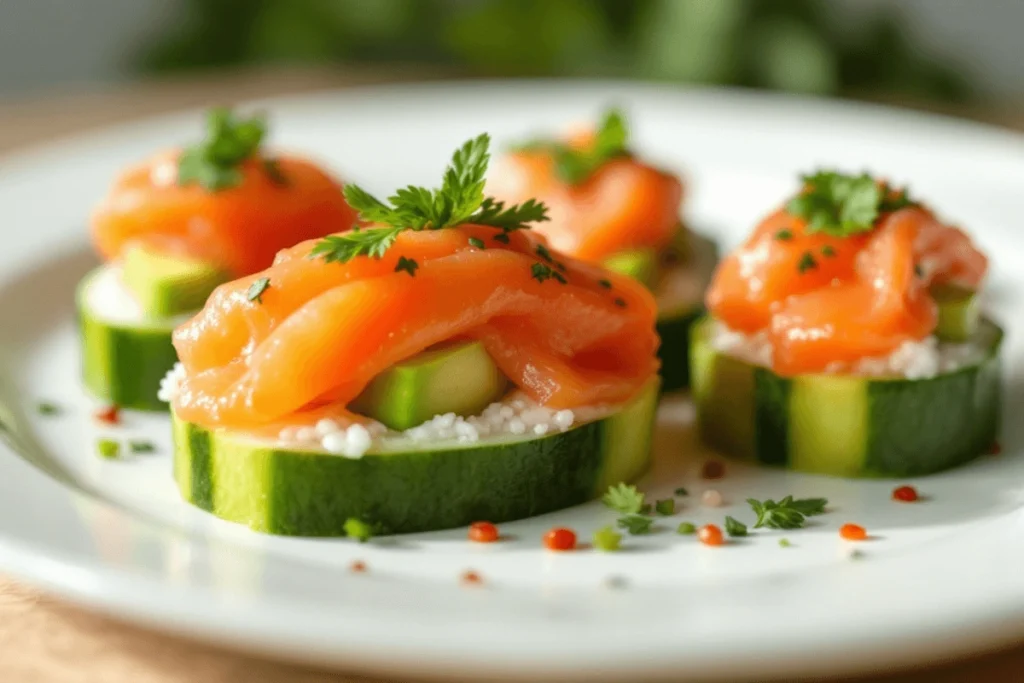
623,498
559,277
575,165
257,288
48,409
605,283
502,237
787,513
108,449
477,242
827,251
734,527
635,524
918,270
544,253
896,201
784,235
358,529
646,508
460,200
621,303
686,528
681,491
665,507
214,164
784,543
408,265
541,272
607,539
843,205
141,446
806,263
272,167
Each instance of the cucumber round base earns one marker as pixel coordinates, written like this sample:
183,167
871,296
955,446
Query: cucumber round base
272,489
674,331
848,425
123,362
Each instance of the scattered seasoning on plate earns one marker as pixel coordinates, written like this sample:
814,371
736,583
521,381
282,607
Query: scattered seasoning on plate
852,532
357,567
784,543
734,527
471,578
108,449
905,494
483,532
111,415
635,524
709,534
681,491
711,498
712,469
48,409
358,529
665,507
686,528
141,446
560,539
607,539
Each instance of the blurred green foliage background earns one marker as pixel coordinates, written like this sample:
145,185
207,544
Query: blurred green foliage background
793,45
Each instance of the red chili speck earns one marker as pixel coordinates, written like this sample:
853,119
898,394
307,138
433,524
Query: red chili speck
358,567
471,578
709,534
996,449
852,532
483,532
110,415
560,539
712,469
905,494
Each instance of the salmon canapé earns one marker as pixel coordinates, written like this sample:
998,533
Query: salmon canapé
224,202
602,200
332,314
845,271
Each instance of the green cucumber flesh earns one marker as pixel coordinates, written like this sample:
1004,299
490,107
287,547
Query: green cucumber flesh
123,358
404,486
169,285
458,378
959,312
848,425
639,264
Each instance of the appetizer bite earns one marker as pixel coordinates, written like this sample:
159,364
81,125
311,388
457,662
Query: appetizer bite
608,206
175,227
439,367
844,337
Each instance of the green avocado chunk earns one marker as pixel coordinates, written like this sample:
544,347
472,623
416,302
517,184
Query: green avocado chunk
639,264
457,378
168,285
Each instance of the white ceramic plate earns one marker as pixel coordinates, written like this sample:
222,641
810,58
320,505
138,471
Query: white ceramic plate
940,578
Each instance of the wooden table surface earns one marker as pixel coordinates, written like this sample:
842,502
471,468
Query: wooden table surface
44,640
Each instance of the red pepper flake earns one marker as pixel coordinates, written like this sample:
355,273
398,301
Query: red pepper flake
471,578
358,567
996,449
483,532
712,469
709,534
560,539
853,532
905,494
111,415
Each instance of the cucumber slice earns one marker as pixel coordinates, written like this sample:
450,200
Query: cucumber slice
403,487
124,354
848,425
169,285
959,312
460,378
639,264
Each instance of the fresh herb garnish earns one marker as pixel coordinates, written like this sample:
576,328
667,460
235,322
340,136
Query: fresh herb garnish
545,253
623,498
843,205
806,263
141,446
787,513
784,543
476,242
257,288
681,491
666,506
686,528
784,235
358,529
48,409
827,251
503,237
574,165
215,163
918,270
408,265
541,272
607,539
734,527
460,200
272,167
646,508
108,449
635,524
605,283
559,277
621,303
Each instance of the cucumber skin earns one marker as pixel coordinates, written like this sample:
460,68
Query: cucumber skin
673,352
312,494
124,365
914,427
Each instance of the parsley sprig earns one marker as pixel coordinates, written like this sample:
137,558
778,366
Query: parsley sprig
842,205
214,163
574,165
459,200
624,498
787,513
